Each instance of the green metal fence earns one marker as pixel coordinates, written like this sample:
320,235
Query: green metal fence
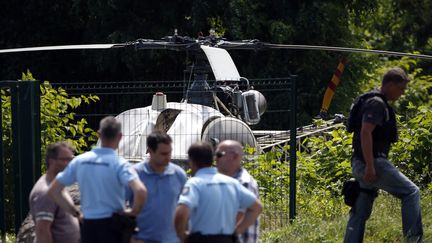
24,153
119,96
24,156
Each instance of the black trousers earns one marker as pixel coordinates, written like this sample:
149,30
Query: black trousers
199,238
115,229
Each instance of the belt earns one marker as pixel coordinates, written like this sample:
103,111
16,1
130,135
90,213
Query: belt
198,237
380,155
375,155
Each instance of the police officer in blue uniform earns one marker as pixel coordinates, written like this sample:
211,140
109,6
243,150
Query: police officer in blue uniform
211,202
102,176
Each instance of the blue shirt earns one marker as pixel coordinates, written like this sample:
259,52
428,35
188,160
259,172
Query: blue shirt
156,219
214,201
102,177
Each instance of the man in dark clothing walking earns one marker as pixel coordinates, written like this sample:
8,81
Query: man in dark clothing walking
371,144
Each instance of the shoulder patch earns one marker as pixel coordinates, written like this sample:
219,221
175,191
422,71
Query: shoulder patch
185,191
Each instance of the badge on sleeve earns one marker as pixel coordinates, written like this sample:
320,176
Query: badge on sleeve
185,190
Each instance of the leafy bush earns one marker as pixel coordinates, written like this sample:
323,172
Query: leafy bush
58,123
412,153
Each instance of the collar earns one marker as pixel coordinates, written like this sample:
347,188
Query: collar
238,173
103,150
206,171
243,176
169,170
377,91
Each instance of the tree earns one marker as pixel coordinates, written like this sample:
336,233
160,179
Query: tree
394,25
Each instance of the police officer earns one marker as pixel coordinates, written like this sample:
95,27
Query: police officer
370,166
102,176
212,201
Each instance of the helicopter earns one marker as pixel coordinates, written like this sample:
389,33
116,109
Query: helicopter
208,111
211,112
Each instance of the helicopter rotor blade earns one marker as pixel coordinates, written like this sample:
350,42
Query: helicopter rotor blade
147,44
66,47
257,45
242,45
138,44
178,43
347,49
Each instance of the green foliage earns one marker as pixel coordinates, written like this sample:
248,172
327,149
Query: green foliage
58,123
326,160
395,25
412,153
272,174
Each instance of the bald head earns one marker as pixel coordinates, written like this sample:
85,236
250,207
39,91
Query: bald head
229,154
232,145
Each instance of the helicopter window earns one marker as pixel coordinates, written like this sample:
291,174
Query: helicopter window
165,119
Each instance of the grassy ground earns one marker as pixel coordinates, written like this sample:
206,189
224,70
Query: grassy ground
324,220
385,224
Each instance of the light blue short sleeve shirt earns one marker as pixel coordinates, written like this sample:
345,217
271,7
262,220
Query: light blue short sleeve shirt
214,201
156,219
102,176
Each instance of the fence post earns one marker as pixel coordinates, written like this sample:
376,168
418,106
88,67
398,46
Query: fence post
2,180
26,144
292,152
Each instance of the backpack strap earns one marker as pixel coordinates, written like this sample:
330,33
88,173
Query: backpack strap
384,99
353,122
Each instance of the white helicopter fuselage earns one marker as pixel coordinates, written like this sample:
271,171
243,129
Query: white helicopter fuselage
185,123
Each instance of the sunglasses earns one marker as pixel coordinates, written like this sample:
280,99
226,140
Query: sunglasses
220,154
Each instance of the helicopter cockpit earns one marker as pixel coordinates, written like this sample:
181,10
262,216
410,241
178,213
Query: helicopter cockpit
226,94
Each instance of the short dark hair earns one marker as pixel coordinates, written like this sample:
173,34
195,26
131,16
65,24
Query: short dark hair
53,149
157,137
201,154
395,75
109,128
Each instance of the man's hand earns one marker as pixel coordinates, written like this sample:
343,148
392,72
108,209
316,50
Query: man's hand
249,218
76,212
140,196
128,212
181,221
370,174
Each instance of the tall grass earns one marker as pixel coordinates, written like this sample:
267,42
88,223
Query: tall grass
385,224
